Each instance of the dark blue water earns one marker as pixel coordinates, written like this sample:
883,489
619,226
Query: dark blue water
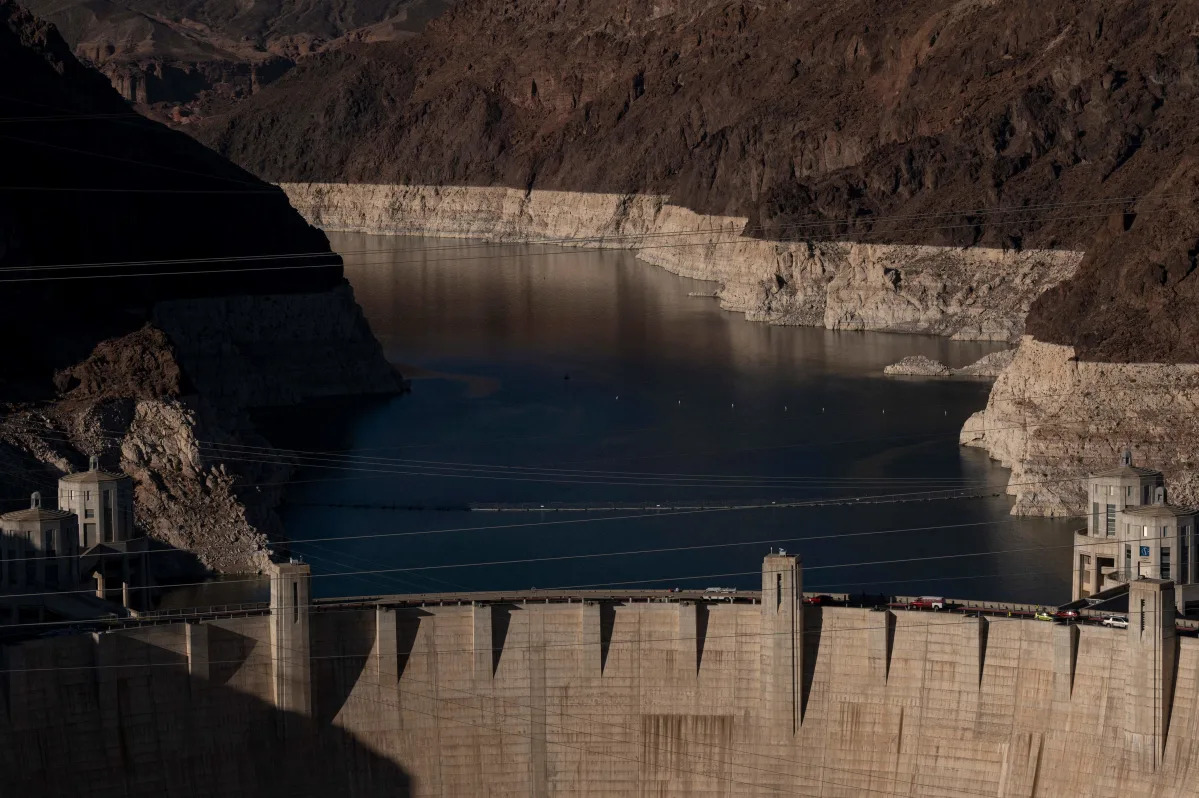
542,377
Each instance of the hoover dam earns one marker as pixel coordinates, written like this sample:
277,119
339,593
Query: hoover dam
270,410
591,693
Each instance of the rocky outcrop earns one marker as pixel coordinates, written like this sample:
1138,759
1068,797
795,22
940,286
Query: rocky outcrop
168,406
181,60
141,326
991,365
976,293
1053,419
918,366
125,404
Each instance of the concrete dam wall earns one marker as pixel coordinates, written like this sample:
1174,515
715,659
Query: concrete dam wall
602,697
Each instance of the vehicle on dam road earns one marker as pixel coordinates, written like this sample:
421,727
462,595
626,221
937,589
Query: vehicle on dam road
1115,621
719,593
1043,615
928,603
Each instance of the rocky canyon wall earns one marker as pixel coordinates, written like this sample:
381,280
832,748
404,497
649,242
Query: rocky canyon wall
977,293
1053,419
169,405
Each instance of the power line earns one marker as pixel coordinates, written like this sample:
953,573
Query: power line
264,455
602,555
138,162
494,256
954,618
604,519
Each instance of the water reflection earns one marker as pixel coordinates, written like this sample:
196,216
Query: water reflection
602,368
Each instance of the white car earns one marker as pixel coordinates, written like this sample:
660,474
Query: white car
1116,621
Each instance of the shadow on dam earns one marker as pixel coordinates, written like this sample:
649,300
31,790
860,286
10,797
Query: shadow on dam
114,715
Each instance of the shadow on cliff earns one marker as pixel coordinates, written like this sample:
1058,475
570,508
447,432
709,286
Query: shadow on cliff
114,715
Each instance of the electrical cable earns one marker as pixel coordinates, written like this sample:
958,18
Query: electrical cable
490,257
610,554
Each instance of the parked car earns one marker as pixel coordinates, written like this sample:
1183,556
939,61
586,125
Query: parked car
719,593
817,600
1043,615
1069,615
1115,621
927,603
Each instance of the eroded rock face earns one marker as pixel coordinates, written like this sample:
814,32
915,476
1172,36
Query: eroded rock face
977,293
165,233
1053,419
124,405
170,407
922,123
919,366
991,365
181,60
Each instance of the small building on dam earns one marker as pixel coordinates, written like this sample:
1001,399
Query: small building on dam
1133,532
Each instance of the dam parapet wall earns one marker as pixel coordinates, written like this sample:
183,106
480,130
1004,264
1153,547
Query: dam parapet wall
977,293
755,696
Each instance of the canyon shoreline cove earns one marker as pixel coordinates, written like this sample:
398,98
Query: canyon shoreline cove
661,384
1050,419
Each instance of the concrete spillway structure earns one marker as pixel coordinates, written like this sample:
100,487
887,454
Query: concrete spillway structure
606,696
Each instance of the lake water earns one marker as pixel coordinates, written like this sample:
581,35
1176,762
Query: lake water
543,376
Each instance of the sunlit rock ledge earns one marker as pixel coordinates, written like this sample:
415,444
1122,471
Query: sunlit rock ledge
968,294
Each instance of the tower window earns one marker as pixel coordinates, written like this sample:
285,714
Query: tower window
1184,561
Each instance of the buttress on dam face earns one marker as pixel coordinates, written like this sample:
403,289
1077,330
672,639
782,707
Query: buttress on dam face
601,694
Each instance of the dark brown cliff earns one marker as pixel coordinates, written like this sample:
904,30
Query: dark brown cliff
176,59
959,124
151,294
88,181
